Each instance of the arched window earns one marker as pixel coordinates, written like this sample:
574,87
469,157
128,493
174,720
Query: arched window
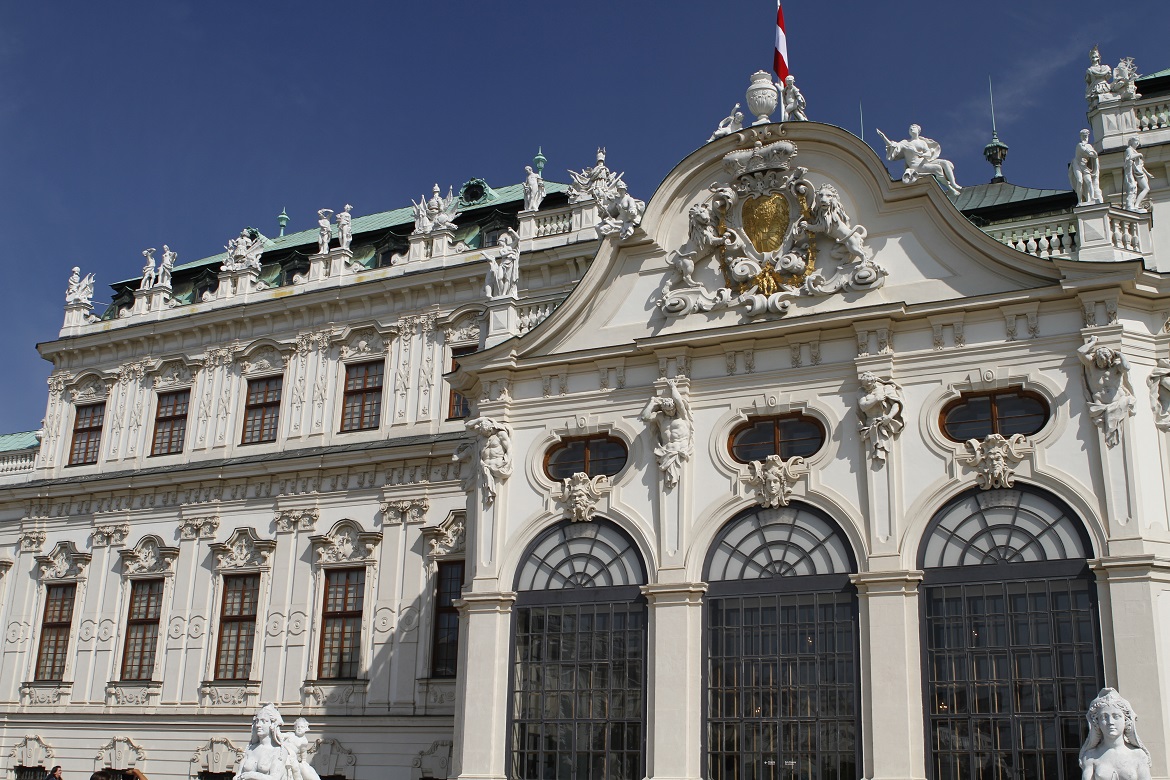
579,657
781,649
593,455
1010,636
787,436
1006,412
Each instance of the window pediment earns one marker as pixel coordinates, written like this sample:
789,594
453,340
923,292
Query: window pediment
64,564
345,543
150,556
243,551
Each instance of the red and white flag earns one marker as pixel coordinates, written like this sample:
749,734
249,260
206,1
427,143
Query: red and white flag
781,58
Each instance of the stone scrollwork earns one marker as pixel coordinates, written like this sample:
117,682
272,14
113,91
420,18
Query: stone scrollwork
198,527
123,695
346,542
32,540
288,520
580,495
1159,384
405,511
330,759
762,224
219,755
31,751
243,550
151,556
44,694
448,538
63,563
111,534
995,458
774,478
120,753
618,211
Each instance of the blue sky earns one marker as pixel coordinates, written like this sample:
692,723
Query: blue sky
133,124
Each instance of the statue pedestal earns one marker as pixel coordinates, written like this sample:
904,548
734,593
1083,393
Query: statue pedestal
1112,123
154,299
1106,234
503,321
527,225
424,246
234,283
318,267
77,314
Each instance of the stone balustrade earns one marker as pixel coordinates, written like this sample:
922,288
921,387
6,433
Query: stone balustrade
553,223
1124,231
1044,237
17,462
1154,115
532,314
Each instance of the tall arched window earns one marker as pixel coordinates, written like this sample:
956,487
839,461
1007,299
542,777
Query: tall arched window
781,649
579,658
1010,637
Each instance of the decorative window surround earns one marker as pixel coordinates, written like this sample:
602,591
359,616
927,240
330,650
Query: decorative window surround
122,754
330,759
31,751
243,551
133,694
333,694
64,564
175,374
45,694
447,539
344,545
229,694
219,755
149,558
264,359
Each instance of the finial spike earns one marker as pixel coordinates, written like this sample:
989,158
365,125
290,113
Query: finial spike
282,220
991,94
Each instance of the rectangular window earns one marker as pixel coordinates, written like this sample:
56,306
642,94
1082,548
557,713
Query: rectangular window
170,422
445,648
142,629
341,624
458,407
261,410
362,410
87,434
237,627
55,628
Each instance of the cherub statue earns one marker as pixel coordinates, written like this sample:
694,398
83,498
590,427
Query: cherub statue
922,155
504,275
296,747
675,427
1113,750
324,231
621,213
1125,77
794,102
880,405
1137,178
1085,172
80,290
490,456
344,220
533,189
732,123
147,270
264,758
163,278
1111,399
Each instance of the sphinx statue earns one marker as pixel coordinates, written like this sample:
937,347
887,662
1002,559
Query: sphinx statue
1113,751
265,758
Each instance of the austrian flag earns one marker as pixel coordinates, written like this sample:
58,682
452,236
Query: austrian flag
781,63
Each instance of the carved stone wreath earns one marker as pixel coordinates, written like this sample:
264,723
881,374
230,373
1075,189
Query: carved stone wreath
762,224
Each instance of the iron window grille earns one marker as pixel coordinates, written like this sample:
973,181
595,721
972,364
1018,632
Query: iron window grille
87,434
170,422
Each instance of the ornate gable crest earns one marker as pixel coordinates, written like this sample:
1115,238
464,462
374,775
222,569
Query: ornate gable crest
31,751
263,359
762,225
151,556
346,542
121,753
173,373
243,550
362,342
90,388
63,563
448,538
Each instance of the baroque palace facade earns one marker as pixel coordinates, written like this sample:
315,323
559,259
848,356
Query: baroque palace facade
793,471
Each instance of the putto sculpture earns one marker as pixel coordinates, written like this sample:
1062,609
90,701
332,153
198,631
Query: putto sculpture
1111,398
1113,750
794,103
503,278
880,404
296,746
1085,172
1137,178
670,416
79,292
732,123
922,155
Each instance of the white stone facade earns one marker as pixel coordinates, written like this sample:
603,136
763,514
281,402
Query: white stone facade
869,317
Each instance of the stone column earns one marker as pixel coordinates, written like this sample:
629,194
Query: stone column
891,675
482,715
674,687
1135,623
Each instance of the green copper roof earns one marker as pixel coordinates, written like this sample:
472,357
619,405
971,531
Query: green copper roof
13,442
369,223
981,196
1158,75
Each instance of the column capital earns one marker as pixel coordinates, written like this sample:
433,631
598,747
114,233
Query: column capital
903,581
499,602
1142,567
674,592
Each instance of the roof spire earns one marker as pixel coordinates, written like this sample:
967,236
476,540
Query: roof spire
282,220
996,151
539,160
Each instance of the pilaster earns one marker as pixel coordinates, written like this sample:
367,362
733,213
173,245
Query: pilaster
481,726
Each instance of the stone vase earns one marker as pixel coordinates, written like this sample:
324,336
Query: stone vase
762,96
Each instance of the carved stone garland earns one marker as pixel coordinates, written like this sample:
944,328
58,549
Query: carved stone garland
761,225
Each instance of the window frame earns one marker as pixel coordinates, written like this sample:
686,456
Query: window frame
439,609
570,440
56,626
235,620
991,395
132,621
377,394
264,406
776,419
343,615
176,420
456,352
92,433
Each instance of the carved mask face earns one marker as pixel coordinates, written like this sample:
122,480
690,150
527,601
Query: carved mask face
668,406
1111,720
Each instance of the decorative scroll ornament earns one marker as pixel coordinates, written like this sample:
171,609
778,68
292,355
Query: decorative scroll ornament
995,458
296,519
762,225
151,556
774,478
120,753
198,527
448,538
31,751
580,495
107,535
64,563
218,755
406,510
345,543
243,550
1159,383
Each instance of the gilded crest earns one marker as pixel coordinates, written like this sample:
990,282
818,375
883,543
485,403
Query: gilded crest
765,221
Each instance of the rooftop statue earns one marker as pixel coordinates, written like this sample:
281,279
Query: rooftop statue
80,290
1085,172
732,123
345,226
504,277
533,189
265,758
243,253
1113,750
147,270
438,213
592,181
794,102
163,277
1137,178
670,415
1097,79
1111,398
1125,76
324,231
922,155
620,213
